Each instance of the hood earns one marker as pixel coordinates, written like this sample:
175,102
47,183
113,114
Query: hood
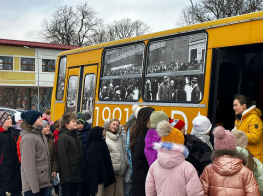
106,126
252,110
170,155
131,120
27,128
228,162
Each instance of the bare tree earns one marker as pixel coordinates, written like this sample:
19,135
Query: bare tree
71,25
121,29
208,10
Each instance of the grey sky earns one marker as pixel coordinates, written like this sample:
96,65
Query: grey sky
22,20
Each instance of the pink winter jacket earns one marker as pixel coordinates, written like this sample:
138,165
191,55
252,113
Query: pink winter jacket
171,175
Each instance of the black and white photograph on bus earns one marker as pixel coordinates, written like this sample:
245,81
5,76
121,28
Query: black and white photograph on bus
177,54
88,97
72,94
120,89
61,78
174,88
126,60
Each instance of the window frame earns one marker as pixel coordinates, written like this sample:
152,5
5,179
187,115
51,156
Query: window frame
58,72
123,76
21,64
181,73
12,64
76,101
49,65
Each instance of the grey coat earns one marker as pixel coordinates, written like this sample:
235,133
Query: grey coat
35,163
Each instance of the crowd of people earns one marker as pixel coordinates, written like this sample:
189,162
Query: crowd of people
151,154
133,69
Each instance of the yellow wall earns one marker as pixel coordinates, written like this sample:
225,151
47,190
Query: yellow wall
16,50
16,63
17,76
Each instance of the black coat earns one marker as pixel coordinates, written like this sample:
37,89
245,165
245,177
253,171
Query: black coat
69,156
140,166
84,134
195,95
180,93
10,175
199,153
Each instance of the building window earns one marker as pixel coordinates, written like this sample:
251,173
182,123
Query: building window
6,63
48,65
27,64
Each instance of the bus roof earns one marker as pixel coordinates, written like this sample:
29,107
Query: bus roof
195,27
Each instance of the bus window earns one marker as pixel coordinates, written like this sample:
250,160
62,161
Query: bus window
88,96
61,78
175,69
72,94
122,73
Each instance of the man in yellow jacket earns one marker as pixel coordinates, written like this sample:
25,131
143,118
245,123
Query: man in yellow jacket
249,121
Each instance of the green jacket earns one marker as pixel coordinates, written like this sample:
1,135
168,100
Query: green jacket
258,171
69,156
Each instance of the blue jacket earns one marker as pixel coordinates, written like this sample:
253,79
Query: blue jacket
84,134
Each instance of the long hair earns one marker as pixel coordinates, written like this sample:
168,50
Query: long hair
250,162
139,125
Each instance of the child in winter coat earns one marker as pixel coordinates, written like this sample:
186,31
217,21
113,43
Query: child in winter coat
228,175
252,163
171,175
152,136
198,144
83,128
118,156
35,161
10,174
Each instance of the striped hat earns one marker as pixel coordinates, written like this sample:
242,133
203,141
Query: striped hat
3,117
31,116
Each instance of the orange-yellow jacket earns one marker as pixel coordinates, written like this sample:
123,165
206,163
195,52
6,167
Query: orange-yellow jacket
251,124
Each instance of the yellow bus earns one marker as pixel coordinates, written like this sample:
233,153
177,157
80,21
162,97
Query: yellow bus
182,72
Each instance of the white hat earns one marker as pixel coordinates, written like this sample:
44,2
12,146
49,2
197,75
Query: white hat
136,109
201,124
17,116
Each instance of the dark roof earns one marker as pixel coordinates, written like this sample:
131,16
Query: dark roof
36,44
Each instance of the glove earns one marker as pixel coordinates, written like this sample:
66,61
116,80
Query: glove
37,194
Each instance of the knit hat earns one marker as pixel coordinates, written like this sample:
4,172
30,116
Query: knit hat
45,122
224,140
17,116
136,109
201,124
156,117
240,138
169,133
3,117
80,118
176,123
31,116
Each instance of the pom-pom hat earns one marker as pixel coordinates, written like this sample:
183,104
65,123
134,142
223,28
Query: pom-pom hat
201,124
223,139
169,133
176,123
156,117
3,117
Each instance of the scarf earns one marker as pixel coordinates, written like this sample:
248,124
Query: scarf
97,167
204,138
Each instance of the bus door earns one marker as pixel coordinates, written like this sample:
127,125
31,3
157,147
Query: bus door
237,70
87,95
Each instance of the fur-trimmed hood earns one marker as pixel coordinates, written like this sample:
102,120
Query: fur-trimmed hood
228,162
27,128
170,154
106,126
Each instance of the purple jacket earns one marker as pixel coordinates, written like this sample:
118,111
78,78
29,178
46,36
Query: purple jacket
150,153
